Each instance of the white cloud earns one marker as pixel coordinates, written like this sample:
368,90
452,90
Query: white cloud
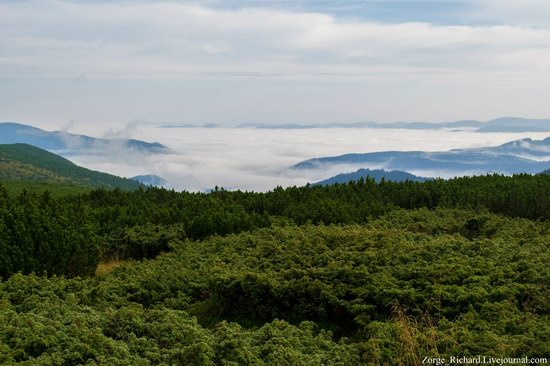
180,40
207,61
257,159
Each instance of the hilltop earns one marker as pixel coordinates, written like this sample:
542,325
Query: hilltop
515,157
27,166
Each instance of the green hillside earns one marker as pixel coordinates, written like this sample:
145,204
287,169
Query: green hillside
24,166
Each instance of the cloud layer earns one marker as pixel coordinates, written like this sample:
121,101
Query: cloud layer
99,65
259,159
167,39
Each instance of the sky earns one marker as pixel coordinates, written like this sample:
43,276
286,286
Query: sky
104,67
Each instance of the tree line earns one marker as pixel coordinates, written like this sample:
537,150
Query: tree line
69,235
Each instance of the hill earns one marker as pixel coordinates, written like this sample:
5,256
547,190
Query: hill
376,174
515,124
521,156
26,166
66,143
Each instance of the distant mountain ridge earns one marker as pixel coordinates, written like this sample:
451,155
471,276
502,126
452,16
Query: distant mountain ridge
377,175
521,156
503,124
27,163
68,144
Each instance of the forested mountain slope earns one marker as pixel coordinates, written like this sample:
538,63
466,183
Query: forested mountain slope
26,165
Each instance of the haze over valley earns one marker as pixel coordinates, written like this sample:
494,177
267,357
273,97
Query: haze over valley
241,157
239,92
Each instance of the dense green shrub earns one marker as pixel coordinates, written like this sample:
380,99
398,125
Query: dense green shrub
407,285
42,235
142,241
59,235
337,275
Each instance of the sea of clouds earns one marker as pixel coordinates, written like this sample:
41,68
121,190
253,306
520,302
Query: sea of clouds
259,160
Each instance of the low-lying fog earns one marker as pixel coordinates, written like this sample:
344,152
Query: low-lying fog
258,159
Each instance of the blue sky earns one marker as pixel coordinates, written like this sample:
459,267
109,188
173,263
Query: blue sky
441,12
100,65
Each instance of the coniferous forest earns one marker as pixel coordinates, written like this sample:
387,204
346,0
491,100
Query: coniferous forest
363,273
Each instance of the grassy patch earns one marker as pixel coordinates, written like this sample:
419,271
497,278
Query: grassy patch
104,268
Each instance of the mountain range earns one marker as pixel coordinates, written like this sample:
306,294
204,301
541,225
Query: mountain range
503,124
521,156
67,144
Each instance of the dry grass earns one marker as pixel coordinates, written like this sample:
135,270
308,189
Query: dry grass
104,268
418,337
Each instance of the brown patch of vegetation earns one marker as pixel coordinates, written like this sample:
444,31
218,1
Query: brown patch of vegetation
104,268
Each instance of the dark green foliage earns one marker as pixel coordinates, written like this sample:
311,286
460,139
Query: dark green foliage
408,285
139,242
222,212
42,235
16,187
362,273
124,219
200,215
